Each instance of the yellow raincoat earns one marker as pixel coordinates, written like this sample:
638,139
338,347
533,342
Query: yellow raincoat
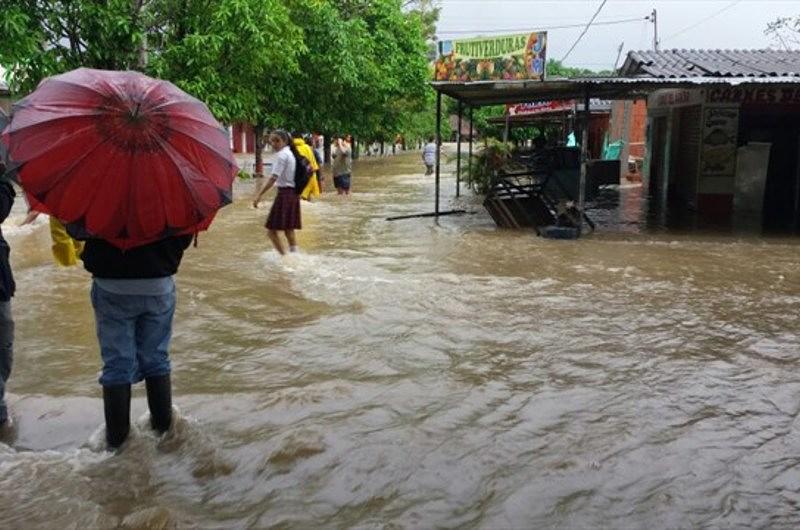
312,188
66,250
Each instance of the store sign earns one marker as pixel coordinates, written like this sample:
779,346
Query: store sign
674,98
508,57
539,107
759,95
720,131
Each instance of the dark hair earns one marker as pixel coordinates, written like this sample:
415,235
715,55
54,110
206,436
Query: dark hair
297,134
287,138
431,138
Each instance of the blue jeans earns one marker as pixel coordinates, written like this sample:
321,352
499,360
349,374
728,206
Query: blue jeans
6,353
134,333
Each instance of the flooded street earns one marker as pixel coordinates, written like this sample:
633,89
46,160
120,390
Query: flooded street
416,374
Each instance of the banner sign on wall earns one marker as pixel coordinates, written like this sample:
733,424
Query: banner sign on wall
540,107
521,56
720,132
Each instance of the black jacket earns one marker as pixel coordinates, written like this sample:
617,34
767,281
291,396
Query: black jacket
7,285
154,260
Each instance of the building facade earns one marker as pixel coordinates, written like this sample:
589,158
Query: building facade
726,151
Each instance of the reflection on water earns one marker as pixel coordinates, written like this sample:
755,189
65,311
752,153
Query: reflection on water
425,373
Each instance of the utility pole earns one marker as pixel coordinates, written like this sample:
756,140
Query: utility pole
619,53
654,18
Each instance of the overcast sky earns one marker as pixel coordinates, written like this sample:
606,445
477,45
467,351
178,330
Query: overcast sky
681,24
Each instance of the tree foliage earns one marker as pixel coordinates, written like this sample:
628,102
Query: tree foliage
355,66
219,50
44,38
556,68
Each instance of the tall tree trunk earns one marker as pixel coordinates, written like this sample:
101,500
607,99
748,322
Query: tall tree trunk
258,132
326,148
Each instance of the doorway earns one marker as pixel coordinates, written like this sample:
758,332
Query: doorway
657,184
782,188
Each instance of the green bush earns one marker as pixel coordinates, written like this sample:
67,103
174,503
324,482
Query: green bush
491,159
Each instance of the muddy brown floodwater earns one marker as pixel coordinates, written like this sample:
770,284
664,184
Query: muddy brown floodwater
416,374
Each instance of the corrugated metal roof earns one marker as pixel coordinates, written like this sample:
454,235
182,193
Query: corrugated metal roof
479,93
712,63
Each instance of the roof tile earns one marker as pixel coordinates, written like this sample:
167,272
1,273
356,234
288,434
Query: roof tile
713,63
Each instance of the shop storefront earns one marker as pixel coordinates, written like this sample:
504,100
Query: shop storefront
727,152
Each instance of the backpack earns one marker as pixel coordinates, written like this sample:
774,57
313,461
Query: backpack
302,173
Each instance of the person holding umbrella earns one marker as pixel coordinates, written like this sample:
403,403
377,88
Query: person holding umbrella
135,168
7,287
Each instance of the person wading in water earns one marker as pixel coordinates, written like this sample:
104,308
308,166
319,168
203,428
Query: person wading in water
284,216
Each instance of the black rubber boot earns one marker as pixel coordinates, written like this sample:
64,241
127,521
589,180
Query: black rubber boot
159,399
117,408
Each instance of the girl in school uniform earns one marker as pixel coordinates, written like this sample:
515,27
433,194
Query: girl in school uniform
284,216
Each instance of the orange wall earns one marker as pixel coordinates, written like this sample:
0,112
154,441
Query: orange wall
637,125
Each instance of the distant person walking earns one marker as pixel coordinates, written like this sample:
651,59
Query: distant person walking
304,150
284,216
318,156
318,143
429,155
342,165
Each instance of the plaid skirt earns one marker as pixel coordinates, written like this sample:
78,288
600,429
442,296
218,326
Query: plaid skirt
285,212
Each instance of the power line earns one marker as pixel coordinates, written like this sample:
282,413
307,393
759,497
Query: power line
706,19
564,26
584,30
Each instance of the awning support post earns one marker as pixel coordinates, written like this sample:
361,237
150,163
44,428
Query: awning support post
438,145
458,150
584,158
471,134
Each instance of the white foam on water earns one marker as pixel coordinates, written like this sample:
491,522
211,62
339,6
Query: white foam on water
12,228
338,280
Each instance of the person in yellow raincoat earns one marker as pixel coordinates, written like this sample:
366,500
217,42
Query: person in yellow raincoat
66,250
312,188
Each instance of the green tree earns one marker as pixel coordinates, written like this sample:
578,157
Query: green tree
363,68
428,12
355,66
225,52
555,68
40,39
229,53
395,77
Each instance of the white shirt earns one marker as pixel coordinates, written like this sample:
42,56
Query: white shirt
283,168
429,153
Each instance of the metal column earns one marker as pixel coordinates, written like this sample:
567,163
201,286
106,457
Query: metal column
438,145
584,157
471,134
458,150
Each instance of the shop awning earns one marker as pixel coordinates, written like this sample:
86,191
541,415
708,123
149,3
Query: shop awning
482,93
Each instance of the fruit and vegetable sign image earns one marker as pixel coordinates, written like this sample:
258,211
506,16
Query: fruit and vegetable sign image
521,56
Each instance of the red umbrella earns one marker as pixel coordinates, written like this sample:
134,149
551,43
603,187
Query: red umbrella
120,156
